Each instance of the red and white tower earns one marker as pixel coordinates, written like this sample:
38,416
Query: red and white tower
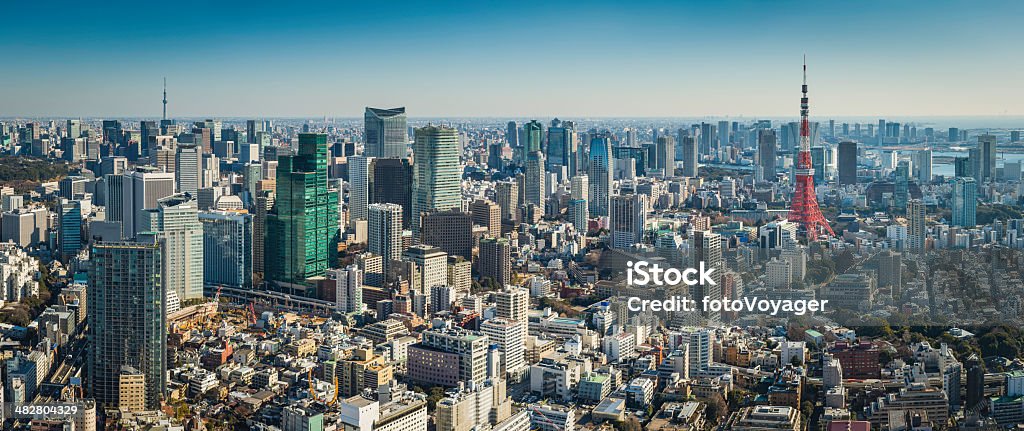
804,208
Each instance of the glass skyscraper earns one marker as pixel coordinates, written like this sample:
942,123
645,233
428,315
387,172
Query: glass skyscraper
127,319
437,179
302,229
227,249
600,173
386,132
965,201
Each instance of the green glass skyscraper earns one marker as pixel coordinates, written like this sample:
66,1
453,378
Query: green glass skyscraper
437,180
302,229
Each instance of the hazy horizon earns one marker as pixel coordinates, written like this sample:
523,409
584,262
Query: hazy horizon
647,59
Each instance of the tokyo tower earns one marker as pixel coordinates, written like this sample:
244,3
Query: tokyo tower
804,208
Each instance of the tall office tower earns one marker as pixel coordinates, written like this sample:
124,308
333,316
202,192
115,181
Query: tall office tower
506,193
706,248
392,184
263,203
690,156
487,214
386,132
211,171
562,146
723,135
451,231
665,155
512,135
69,221
916,229
227,249
965,201
707,139
578,215
431,264
495,260
384,232
74,128
804,207
187,159
250,131
962,167
983,159
823,160
627,219
533,137
923,163
348,288
136,190
600,174
148,131
579,187
901,187
766,154
127,319
535,173
302,231
953,135
847,163
436,179
176,219
360,176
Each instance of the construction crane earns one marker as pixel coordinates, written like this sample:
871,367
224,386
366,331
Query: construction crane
546,419
312,389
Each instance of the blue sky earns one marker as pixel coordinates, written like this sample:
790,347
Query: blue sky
570,59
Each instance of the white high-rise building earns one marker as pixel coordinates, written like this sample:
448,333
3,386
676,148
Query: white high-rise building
699,342
176,219
384,232
134,191
187,161
348,288
510,336
432,263
513,303
579,187
778,274
359,174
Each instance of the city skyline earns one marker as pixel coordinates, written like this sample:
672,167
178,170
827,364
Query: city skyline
447,60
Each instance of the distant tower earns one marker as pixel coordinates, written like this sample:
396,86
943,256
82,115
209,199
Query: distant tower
165,98
804,208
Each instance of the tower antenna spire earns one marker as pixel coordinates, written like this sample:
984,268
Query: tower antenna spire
804,207
165,98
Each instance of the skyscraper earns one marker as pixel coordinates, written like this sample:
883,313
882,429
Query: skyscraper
176,219
384,232
533,137
665,155
127,319
901,187
487,214
360,176
134,191
302,230
847,163
69,221
915,226
766,150
984,159
227,249
437,181
690,156
923,164
187,162
506,193
965,201
627,219
512,134
561,149
707,250
600,174
386,132
535,172
392,183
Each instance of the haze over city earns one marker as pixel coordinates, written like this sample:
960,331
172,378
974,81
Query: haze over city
483,59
